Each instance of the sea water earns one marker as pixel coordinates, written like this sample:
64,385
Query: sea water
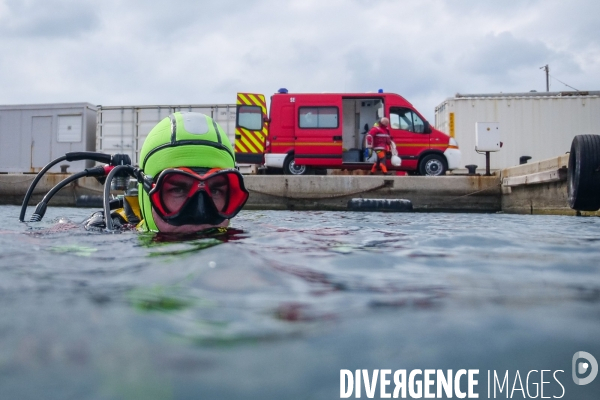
280,305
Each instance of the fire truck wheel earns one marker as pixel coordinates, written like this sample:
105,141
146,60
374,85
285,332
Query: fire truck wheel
290,167
433,165
583,177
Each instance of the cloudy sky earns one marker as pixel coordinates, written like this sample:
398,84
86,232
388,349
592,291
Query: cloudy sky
133,52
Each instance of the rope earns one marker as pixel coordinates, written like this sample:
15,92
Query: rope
91,189
366,191
464,195
385,184
11,182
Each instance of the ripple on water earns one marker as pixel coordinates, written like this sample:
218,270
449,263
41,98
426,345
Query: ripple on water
288,281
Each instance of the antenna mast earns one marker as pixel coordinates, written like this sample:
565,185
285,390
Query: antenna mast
545,68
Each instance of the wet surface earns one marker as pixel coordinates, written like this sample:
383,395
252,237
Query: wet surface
275,308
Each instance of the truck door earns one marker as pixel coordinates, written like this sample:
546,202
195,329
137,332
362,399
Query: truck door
408,132
250,128
318,139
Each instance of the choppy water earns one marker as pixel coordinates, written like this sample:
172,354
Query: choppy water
277,308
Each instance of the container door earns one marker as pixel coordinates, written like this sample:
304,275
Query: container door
319,130
41,142
408,132
250,128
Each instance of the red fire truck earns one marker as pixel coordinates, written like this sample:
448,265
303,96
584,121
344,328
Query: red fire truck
308,131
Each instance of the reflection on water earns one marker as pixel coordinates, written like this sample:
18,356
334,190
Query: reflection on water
276,306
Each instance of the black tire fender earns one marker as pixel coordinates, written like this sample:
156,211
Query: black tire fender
390,205
583,177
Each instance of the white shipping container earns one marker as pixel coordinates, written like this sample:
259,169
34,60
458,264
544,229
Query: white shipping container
539,125
32,135
123,129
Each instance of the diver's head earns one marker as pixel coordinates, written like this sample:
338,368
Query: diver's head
190,181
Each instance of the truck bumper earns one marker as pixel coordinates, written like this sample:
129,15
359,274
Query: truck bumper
453,158
275,160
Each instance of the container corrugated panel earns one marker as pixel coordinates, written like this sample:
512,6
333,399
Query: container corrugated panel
123,129
147,118
33,135
116,131
537,126
225,117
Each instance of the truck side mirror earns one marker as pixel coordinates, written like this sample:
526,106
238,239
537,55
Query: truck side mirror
427,127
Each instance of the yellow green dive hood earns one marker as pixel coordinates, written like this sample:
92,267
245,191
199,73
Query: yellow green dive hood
183,139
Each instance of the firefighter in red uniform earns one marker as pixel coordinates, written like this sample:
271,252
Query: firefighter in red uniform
379,140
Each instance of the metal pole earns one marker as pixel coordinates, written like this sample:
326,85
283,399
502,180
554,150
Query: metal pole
487,163
547,69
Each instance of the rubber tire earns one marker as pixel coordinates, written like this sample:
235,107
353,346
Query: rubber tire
583,177
439,161
290,168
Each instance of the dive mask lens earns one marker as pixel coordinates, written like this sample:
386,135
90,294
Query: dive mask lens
176,187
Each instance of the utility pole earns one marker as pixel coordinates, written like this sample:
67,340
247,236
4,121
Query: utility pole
545,68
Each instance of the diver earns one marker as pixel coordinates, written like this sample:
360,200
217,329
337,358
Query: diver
187,181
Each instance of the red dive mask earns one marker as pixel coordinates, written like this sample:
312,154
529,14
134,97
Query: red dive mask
183,196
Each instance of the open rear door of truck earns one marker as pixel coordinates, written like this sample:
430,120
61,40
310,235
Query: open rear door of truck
250,128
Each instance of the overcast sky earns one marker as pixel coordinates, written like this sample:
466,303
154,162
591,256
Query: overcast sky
134,52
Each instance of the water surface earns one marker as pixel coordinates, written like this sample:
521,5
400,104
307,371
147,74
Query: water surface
277,307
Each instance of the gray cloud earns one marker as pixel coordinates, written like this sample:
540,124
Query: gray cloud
50,18
502,54
161,52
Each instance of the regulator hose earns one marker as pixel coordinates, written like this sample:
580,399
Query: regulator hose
117,159
131,171
72,156
40,209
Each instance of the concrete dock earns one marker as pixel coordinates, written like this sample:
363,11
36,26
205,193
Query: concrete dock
14,186
448,193
535,188
538,188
